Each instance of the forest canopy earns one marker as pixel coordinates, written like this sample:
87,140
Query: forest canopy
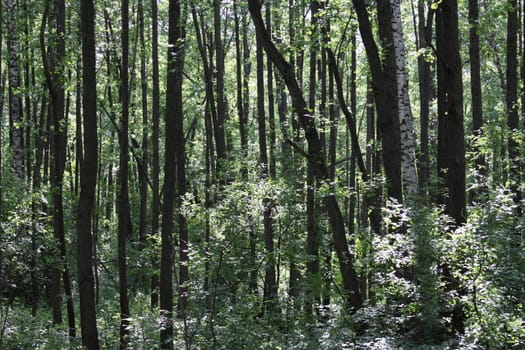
301,174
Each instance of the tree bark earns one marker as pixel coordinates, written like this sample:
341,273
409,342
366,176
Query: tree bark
453,134
406,124
53,70
270,284
385,91
511,100
155,165
123,209
15,101
88,178
475,91
173,168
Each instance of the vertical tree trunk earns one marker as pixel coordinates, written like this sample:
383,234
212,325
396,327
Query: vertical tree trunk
270,284
124,219
143,183
406,125
155,165
425,87
475,90
385,91
88,179
511,100
53,70
312,236
220,140
450,62
451,134
15,101
173,169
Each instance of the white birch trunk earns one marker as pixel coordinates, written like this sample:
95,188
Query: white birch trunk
408,153
15,105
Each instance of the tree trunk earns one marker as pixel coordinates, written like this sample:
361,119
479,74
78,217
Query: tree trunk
425,87
220,139
385,91
450,105
406,125
453,134
172,169
88,179
475,91
15,101
511,100
123,209
270,284
155,165
143,181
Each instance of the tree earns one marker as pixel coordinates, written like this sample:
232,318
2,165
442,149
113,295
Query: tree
88,176
475,86
385,91
123,210
174,171
406,128
511,98
270,283
451,159
54,70
15,102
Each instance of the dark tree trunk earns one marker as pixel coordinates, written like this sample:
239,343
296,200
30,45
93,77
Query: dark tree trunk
53,69
88,177
511,99
270,284
143,181
475,91
155,165
312,237
452,95
15,101
123,209
172,169
220,139
385,91
425,91
451,159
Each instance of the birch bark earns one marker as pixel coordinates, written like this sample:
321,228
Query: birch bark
406,124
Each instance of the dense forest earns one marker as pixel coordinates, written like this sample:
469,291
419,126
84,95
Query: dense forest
247,174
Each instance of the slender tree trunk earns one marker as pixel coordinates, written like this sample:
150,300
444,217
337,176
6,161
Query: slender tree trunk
312,237
15,101
124,219
270,283
425,87
53,71
143,183
475,91
155,165
511,99
88,177
79,154
220,140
